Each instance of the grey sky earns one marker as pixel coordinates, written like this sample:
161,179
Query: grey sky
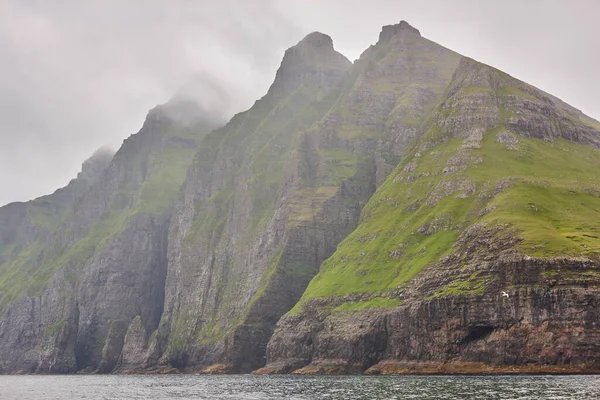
77,75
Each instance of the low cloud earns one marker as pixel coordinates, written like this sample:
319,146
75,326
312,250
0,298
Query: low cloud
77,75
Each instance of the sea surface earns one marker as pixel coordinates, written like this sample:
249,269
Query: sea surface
249,387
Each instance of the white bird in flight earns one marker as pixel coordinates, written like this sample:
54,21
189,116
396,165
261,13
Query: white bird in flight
504,294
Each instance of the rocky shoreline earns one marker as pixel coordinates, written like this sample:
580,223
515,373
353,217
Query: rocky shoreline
386,367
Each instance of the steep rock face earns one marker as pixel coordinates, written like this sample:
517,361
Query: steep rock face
229,232
270,195
104,261
313,61
36,332
483,203
133,355
123,280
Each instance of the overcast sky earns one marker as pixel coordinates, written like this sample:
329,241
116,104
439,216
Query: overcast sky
77,75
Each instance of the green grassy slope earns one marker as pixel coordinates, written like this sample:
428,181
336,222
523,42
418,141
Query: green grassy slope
548,191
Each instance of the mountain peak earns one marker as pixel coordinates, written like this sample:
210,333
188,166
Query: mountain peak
311,59
93,167
389,31
316,47
317,40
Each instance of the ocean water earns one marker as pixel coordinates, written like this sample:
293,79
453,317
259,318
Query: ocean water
249,387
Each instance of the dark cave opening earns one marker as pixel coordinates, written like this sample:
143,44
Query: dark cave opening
478,332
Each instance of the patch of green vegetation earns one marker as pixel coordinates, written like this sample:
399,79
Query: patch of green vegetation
338,165
153,336
211,215
554,221
29,272
514,91
553,194
472,285
467,90
355,132
16,275
376,302
391,158
563,163
308,202
265,279
183,326
44,216
8,252
341,163
570,277
55,327
322,183
506,112
167,175
590,122
211,333
108,226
